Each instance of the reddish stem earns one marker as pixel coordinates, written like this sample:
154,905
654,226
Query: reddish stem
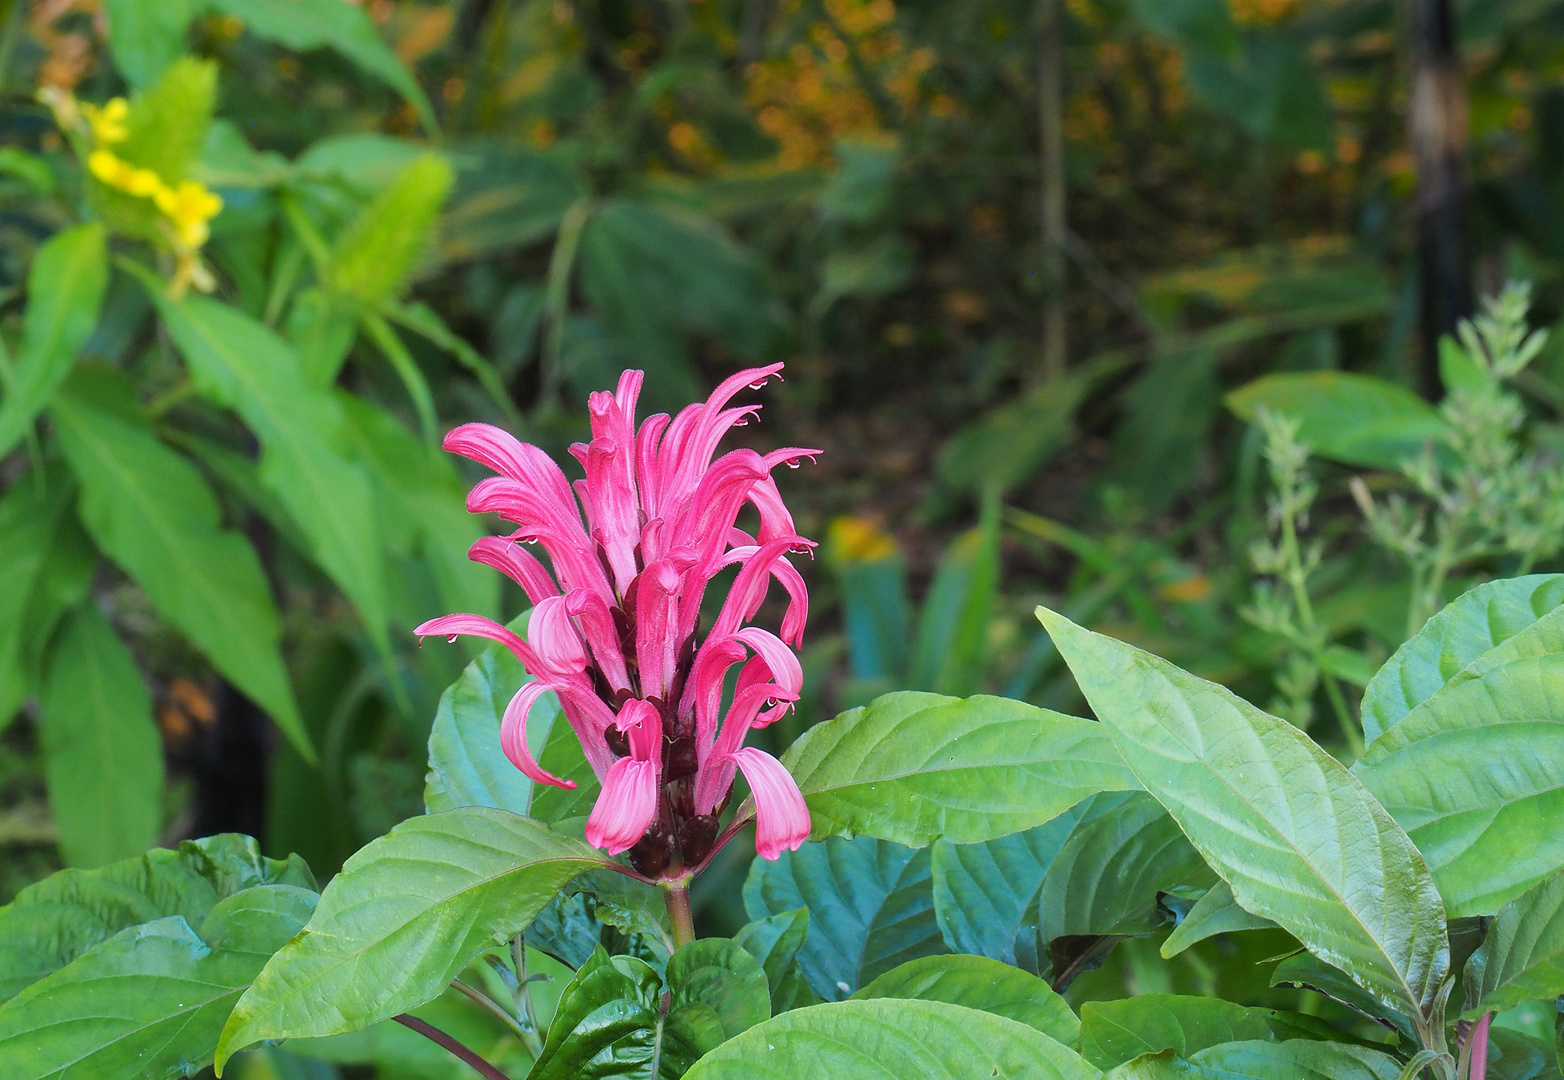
435,1035
1479,1069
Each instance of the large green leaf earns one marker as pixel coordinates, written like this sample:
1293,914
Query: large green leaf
1214,913
716,990
1298,839
1356,419
1522,958
1469,626
892,1039
1113,1032
607,1023
64,292
145,38
314,24
1295,1059
54,921
103,759
914,767
45,563
980,983
244,366
150,1001
1475,774
774,941
152,513
870,905
981,891
403,918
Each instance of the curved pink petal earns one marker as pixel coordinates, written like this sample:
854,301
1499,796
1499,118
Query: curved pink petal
749,587
509,456
517,563
513,736
554,637
785,668
657,636
627,805
602,635
703,692
641,721
781,816
478,626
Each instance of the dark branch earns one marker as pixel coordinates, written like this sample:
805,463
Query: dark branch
435,1035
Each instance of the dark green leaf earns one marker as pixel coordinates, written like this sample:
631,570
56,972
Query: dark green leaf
1296,1059
1113,1032
1204,24
314,24
1469,626
1006,446
103,759
403,918
980,983
152,513
870,905
716,990
64,293
1522,958
775,941
1159,446
506,196
981,891
892,1039
1297,838
145,38
606,1023
1214,913
1306,970
1514,1055
916,767
51,923
948,656
1356,419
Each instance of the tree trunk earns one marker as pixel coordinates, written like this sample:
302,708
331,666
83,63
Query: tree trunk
1437,134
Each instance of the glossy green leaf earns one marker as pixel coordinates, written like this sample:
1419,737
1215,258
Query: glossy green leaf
977,982
871,907
948,656
1356,419
1306,970
403,918
1514,1055
716,991
892,1039
52,922
606,1024
314,24
103,758
145,38
981,891
1298,839
1469,626
1475,774
65,289
1214,913
913,768
150,1001
1113,1032
1522,958
1295,1059
775,941
151,512
45,561
242,365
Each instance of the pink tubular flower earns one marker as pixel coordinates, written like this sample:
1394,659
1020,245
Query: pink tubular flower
615,619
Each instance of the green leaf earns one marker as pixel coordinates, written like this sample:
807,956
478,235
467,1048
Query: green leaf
981,891
606,1024
1305,970
977,982
403,918
870,905
892,1039
65,288
1214,913
150,1001
1522,958
103,758
914,767
1203,24
1005,446
1113,1032
467,766
716,991
775,941
1469,626
1296,1059
1513,1055
241,364
168,122
45,563
948,656
1475,774
380,248
1355,419
507,197
145,38
54,921
1298,839
874,605
150,511
314,24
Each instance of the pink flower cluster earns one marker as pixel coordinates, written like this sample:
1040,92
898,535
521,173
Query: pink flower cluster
613,628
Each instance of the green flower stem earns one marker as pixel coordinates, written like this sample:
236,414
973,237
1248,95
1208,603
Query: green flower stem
529,1039
679,911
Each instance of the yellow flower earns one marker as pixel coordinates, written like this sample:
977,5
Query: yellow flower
117,173
189,207
108,123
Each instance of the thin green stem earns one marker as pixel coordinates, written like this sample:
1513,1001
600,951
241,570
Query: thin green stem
679,912
1338,704
501,1013
525,1011
408,371
562,263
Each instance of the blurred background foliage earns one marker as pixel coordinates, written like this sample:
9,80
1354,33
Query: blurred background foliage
1068,293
